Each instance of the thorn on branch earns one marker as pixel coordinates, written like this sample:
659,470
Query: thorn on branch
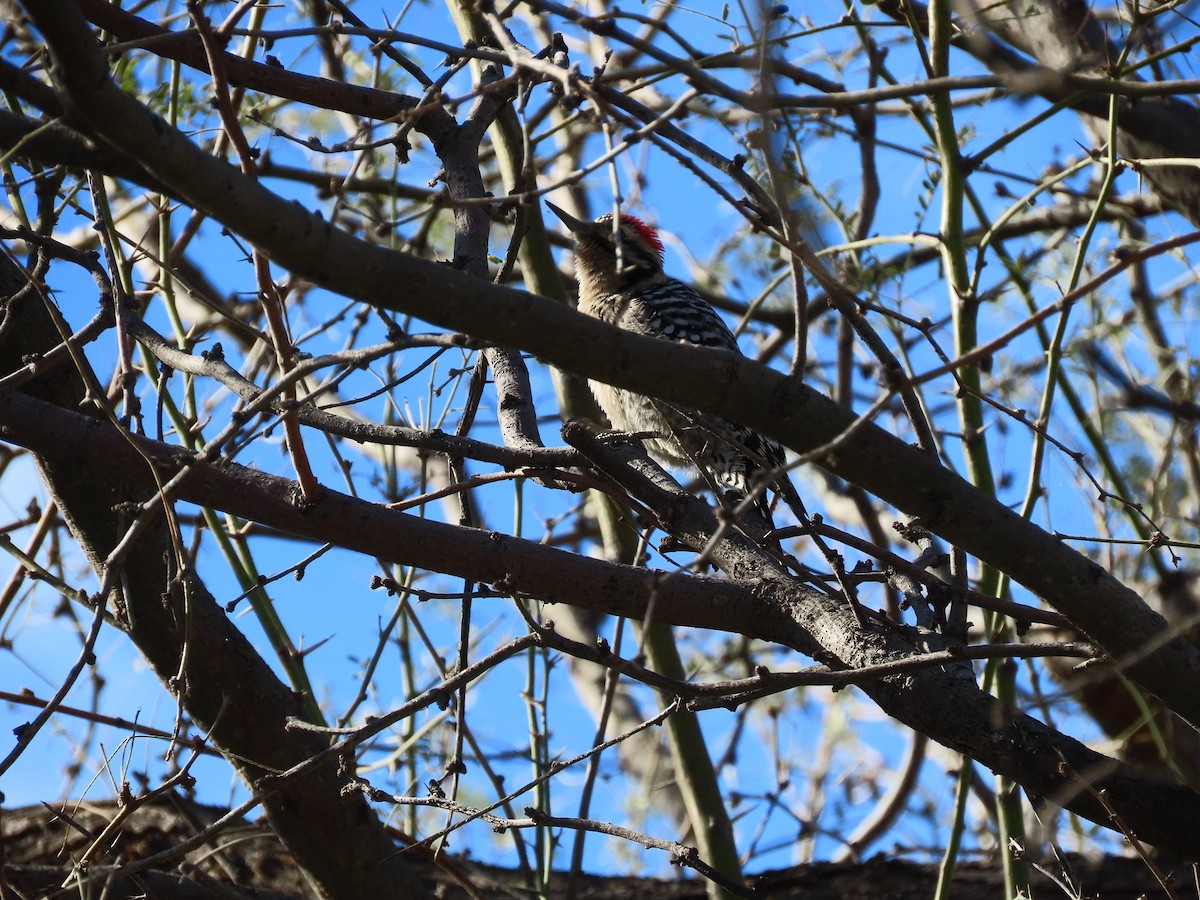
682,855
538,817
387,584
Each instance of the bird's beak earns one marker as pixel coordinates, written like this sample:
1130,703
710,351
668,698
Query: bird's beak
576,226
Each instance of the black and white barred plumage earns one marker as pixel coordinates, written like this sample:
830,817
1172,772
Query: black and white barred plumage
621,281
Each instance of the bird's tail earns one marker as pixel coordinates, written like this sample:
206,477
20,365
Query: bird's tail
751,506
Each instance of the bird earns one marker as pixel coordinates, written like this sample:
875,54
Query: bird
619,266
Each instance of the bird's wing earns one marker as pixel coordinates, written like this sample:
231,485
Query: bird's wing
675,312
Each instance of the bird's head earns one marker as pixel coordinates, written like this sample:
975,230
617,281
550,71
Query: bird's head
611,255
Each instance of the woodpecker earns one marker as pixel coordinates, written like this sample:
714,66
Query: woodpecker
619,264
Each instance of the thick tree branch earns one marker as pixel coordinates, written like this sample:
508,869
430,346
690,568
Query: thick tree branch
527,567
